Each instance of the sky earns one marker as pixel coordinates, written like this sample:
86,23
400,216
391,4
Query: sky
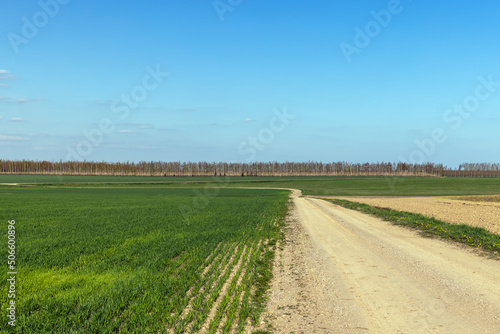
244,81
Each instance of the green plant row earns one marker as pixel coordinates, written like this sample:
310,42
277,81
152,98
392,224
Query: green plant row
130,260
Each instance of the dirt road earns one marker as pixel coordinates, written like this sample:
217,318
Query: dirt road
344,272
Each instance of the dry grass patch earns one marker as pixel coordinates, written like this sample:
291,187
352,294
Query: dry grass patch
485,198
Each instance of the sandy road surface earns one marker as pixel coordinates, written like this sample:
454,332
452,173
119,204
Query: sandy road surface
344,272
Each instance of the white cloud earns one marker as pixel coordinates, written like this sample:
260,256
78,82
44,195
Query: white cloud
5,75
145,147
103,101
127,131
28,100
8,99
250,120
1,117
138,125
16,119
6,137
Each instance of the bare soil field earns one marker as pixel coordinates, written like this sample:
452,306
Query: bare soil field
480,211
341,271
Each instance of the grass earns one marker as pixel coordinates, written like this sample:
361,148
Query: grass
139,260
150,254
390,186
318,186
476,237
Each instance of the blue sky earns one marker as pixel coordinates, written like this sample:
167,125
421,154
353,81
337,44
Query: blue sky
357,81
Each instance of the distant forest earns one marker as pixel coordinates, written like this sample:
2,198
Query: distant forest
171,169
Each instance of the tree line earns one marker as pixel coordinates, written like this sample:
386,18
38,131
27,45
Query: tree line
311,168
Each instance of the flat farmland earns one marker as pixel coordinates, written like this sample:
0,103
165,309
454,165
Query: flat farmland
105,254
140,259
317,186
478,211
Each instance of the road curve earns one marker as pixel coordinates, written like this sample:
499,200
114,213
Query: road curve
374,277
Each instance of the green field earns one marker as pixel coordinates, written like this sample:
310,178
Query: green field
104,254
390,186
333,186
141,260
